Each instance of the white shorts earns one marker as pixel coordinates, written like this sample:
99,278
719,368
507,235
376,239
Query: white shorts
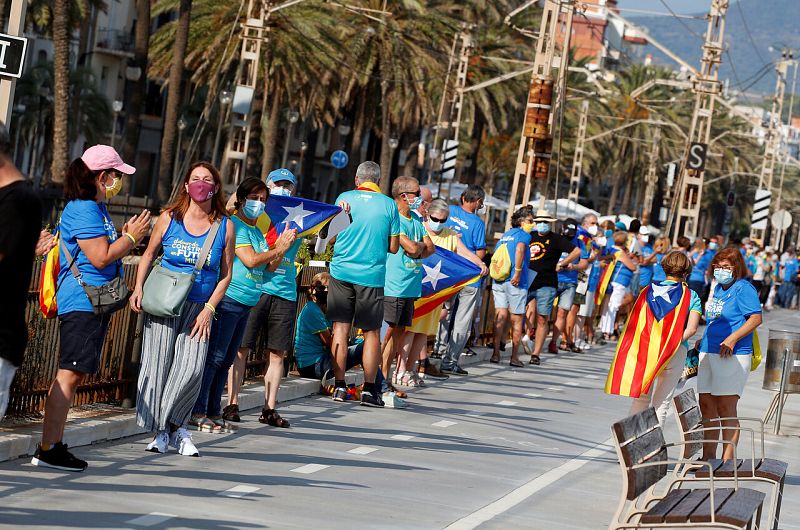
722,376
586,309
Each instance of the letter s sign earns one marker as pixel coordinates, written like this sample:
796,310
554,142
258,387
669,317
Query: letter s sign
697,157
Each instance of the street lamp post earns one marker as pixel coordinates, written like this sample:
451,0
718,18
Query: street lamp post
116,106
303,148
293,117
225,98
176,171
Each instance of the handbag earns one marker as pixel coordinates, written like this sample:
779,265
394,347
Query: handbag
755,360
105,299
691,364
165,291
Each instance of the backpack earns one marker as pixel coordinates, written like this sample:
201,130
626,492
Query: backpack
48,284
500,265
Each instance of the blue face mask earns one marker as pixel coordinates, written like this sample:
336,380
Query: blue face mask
253,209
416,203
712,246
435,225
280,192
609,234
723,276
543,228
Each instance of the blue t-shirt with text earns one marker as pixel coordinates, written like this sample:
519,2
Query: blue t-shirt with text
83,220
359,254
790,267
726,311
572,276
511,239
403,278
471,229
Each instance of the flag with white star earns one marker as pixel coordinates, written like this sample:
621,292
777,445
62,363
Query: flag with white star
652,336
444,274
304,215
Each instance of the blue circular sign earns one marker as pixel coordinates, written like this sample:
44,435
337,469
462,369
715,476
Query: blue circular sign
339,159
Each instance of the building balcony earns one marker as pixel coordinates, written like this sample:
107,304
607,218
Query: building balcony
114,42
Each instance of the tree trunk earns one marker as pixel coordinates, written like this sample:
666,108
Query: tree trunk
2,16
60,90
386,152
626,197
271,133
168,146
359,126
612,199
133,123
471,173
258,140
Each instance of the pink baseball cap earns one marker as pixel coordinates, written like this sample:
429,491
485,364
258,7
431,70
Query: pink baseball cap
99,157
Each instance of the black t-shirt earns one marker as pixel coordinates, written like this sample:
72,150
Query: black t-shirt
20,223
546,250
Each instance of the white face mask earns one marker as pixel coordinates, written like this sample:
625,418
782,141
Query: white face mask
602,241
644,239
280,191
592,230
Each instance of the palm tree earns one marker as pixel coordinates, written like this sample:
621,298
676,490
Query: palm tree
60,89
173,101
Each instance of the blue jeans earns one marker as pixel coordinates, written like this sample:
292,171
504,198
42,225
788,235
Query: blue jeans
786,293
226,337
355,354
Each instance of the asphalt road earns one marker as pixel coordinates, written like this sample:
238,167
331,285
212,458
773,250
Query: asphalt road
501,448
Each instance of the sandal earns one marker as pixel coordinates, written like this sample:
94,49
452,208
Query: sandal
223,425
203,424
231,413
535,360
407,380
399,393
271,417
494,360
518,364
571,346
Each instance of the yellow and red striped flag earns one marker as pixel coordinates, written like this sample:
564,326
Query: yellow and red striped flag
652,335
605,280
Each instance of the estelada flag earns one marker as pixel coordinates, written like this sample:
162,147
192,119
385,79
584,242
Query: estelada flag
652,335
605,279
304,215
49,280
445,273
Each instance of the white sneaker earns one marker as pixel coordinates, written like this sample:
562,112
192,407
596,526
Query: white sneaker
160,443
390,400
182,441
527,344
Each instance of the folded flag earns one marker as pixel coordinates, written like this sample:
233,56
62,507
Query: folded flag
445,273
304,215
652,335
605,280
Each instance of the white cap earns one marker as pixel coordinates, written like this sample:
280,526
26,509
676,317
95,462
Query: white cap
644,230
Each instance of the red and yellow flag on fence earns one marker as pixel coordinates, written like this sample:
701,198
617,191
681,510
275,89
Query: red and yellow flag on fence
652,335
605,280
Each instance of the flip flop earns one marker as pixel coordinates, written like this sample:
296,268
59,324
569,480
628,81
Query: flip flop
516,365
535,360
494,361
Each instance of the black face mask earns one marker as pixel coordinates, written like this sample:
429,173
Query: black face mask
322,296
570,233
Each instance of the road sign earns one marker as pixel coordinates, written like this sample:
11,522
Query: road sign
339,159
761,209
697,156
781,220
12,55
449,155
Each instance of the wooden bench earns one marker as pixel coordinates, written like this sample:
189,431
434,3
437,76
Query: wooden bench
767,470
643,457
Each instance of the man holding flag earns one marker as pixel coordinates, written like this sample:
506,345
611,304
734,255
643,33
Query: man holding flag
403,280
653,344
358,273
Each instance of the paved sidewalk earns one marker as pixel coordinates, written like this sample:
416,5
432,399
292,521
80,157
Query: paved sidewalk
501,448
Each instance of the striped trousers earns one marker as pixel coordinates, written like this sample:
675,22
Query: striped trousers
171,371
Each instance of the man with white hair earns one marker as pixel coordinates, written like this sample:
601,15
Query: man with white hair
358,272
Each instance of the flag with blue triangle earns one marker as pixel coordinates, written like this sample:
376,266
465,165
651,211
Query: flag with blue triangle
445,273
304,215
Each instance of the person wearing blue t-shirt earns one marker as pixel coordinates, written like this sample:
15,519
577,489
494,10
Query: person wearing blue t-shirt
789,269
87,232
732,314
588,229
454,332
510,294
274,313
403,274
698,278
251,261
174,349
358,274
568,286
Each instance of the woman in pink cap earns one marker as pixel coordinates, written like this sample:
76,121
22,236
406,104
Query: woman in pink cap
88,237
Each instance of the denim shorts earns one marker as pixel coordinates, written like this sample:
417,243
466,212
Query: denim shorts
544,296
566,294
506,296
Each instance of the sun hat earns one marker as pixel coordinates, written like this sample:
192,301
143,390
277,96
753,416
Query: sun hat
99,157
543,216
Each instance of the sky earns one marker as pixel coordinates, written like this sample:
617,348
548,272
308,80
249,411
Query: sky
679,6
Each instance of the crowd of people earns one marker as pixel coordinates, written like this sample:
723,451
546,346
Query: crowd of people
209,283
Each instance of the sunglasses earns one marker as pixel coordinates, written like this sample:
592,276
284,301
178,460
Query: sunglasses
437,220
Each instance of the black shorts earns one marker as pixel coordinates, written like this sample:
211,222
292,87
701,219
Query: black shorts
398,311
82,337
362,306
278,315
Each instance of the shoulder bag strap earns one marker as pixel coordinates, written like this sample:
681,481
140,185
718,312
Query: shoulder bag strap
212,235
72,267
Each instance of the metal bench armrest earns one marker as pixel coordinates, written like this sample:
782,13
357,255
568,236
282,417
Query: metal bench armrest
741,419
711,470
730,428
691,463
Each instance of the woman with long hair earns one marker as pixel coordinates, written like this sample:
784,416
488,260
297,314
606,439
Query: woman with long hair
252,259
89,238
174,348
732,314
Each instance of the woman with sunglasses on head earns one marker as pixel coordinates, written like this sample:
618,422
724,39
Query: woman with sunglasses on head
90,240
252,258
732,314
174,348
